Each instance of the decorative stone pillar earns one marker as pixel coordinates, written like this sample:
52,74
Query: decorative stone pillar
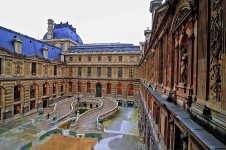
223,101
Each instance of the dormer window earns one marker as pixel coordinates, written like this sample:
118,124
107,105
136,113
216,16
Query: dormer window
62,57
18,45
45,52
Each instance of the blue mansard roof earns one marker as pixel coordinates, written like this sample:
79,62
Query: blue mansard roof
30,46
64,30
105,47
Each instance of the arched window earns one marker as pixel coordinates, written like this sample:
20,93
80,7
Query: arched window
119,89
70,86
44,90
88,90
32,91
130,90
109,88
17,90
79,86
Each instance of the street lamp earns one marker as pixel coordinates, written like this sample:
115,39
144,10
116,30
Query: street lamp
78,100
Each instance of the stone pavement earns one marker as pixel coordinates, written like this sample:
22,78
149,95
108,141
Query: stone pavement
121,132
87,122
19,132
16,133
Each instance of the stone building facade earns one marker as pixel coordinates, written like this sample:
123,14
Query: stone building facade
36,74
183,76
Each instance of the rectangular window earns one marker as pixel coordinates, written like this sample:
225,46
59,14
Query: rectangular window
70,86
62,90
120,58
70,71
119,72
32,91
33,68
99,58
79,58
109,58
0,66
44,89
89,71
54,88
89,58
98,71
131,72
79,71
55,70
109,72
16,93
18,69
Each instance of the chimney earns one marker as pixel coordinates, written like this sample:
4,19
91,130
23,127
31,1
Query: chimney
50,29
147,33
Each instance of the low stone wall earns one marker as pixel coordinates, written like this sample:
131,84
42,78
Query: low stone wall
103,116
65,116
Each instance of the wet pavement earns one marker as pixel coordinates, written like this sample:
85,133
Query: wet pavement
121,132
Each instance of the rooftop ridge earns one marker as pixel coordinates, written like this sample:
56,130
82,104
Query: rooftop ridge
26,36
91,46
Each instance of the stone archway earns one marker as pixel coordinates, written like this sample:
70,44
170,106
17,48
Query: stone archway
98,90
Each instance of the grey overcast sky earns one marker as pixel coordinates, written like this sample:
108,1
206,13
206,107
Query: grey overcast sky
96,21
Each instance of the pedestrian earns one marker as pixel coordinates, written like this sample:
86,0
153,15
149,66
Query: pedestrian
48,116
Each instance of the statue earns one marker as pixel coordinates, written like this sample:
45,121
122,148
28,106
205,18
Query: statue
184,65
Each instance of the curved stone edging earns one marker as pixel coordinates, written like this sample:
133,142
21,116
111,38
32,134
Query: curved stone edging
55,106
105,115
88,111
65,116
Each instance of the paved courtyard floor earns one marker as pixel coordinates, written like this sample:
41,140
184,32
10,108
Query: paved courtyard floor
121,132
17,133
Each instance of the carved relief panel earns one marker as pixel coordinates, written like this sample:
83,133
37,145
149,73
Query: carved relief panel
45,70
216,49
8,67
18,68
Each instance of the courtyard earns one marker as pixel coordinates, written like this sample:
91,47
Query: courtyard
120,132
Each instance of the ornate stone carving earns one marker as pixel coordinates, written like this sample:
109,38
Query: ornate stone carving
182,13
184,56
45,69
159,18
184,65
216,46
8,66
